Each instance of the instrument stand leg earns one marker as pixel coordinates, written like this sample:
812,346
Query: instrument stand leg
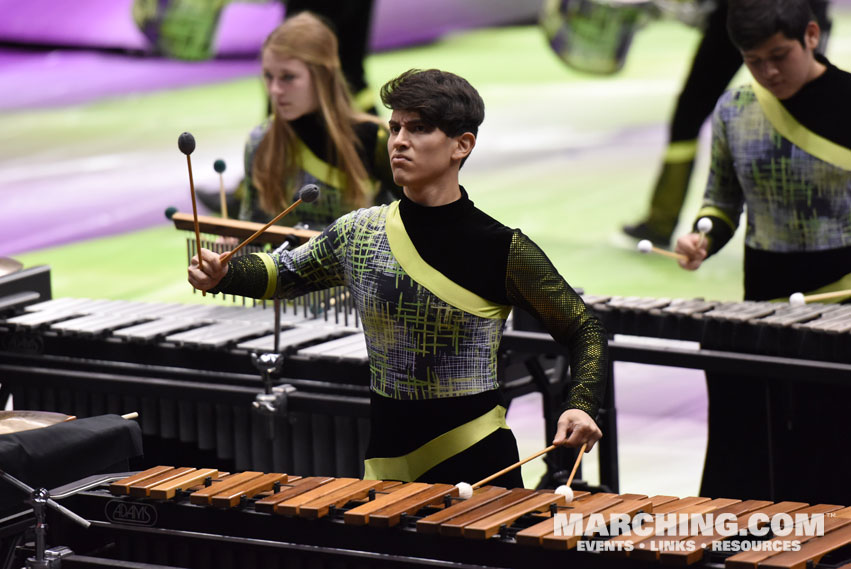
273,401
269,365
769,425
40,499
608,445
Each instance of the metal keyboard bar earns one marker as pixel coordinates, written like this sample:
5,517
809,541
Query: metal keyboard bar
334,347
292,338
219,335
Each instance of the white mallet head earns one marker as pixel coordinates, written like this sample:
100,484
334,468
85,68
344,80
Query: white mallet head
704,225
465,491
797,299
645,246
565,491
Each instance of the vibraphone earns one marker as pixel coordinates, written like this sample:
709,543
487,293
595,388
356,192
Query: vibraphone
773,340
814,332
200,518
188,371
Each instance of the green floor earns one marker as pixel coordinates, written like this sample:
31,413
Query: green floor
565,156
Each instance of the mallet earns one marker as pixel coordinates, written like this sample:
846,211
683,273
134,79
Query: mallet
308,194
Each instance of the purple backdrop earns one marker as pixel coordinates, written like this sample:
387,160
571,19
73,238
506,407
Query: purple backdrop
243,25
57,77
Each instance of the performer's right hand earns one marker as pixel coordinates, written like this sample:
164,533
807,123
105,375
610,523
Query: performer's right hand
213,270
693,246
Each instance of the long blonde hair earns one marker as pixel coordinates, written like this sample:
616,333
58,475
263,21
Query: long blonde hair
306,38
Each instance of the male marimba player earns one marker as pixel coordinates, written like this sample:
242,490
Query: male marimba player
781,149
433,279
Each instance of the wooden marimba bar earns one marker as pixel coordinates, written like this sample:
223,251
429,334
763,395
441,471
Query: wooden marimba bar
419,524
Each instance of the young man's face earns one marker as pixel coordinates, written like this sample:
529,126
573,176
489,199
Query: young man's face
289,85
783,65
420,154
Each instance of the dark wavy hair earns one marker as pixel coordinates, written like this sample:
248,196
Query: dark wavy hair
751,22
442,99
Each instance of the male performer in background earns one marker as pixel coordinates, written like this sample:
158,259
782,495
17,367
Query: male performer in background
433,279
781,149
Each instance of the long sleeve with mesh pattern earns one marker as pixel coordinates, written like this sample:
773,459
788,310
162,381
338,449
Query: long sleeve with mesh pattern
534,284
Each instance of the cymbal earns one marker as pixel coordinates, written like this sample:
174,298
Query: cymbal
17,421
9,265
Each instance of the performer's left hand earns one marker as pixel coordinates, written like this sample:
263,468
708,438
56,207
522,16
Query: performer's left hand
575,428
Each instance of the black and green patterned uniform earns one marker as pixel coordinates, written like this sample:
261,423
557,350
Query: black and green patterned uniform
787,164
317,168
433,287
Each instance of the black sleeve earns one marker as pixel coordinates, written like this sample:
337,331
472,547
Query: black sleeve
534,284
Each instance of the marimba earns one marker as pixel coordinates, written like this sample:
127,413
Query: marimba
195,517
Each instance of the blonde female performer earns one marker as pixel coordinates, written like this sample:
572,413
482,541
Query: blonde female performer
314,135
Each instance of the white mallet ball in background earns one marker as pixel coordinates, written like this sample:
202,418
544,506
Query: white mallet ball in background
465,490
565,491
704,225
645,246
797,299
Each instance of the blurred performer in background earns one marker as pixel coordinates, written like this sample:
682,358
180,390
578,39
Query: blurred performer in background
186,29
314,134
715,63
351,21
433,279
781,150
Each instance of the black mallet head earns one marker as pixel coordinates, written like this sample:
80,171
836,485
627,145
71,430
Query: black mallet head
186,143
309,193
219,166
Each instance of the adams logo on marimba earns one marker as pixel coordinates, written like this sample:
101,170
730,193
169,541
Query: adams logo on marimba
135,513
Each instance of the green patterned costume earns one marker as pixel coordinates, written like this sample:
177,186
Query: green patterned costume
788,165
432,343
798,199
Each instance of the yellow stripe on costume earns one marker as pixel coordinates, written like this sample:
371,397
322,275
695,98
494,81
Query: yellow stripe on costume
432,279
681,151
805,139
411,466
320,169
719,213
364,99
271,272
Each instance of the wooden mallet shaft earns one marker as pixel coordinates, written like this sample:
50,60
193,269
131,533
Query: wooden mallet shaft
512,467
671,254
186,144
646,246
827,295
576,464
226,257
219,166
307,194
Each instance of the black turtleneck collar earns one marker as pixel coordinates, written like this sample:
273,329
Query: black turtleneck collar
416,213
313,132
462,242
822,104
310,128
